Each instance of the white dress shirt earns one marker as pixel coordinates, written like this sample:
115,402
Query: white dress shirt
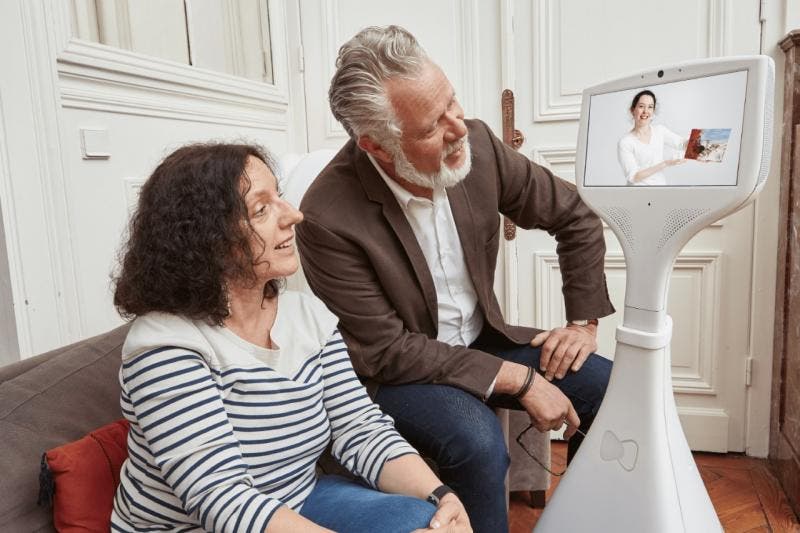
460,319
635,155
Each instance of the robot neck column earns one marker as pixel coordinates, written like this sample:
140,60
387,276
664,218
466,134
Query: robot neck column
644,319
646,290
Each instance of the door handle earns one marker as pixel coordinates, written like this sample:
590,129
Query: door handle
517,139
513,138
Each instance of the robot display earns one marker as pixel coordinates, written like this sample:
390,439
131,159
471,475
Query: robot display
634,471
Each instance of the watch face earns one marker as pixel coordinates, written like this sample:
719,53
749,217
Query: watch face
579,322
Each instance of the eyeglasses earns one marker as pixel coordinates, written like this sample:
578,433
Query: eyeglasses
532,456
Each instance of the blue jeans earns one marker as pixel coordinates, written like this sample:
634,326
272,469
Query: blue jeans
347,506
462,435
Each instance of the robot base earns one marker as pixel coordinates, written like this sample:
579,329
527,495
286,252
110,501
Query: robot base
634,471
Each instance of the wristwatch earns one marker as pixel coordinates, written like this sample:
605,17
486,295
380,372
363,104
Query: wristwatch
592,321
438,493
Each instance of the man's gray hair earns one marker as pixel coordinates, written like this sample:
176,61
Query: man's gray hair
357,95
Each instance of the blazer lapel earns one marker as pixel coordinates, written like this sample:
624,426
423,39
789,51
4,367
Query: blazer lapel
465,226
377,191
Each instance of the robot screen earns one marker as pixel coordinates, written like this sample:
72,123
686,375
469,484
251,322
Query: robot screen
678,134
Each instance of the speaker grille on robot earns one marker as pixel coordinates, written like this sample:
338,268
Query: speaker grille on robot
676,219
622,219
766,148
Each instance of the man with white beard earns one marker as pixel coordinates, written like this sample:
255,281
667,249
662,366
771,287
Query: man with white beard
400,240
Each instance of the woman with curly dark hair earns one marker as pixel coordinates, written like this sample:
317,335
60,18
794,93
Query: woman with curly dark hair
233,390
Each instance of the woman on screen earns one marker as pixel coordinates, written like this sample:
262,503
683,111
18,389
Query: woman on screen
641,150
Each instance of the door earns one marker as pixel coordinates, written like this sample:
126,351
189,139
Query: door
562,46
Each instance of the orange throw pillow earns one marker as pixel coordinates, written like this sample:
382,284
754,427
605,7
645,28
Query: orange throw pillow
86,474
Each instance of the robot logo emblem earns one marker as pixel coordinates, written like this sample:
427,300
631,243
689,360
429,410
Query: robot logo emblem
625,452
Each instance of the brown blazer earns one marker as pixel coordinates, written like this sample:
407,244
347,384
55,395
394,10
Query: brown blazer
361,258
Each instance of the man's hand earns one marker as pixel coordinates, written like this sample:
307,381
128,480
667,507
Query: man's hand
565,349
549,408
450,516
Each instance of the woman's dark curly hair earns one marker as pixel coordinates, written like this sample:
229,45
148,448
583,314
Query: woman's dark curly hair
191,235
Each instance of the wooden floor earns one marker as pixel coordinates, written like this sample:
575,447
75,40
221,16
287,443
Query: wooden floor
747,497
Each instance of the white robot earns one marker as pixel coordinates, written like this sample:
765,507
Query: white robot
634,471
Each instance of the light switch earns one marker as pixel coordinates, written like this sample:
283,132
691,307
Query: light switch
94,143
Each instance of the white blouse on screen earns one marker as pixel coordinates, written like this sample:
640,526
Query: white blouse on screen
634,155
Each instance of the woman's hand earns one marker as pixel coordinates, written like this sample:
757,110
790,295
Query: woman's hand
450,517
649,171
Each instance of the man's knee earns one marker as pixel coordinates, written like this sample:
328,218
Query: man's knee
450,426
599,370
481,449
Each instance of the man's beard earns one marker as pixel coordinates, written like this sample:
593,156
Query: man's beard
445,177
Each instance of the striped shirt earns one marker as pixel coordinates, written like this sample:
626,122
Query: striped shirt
224,432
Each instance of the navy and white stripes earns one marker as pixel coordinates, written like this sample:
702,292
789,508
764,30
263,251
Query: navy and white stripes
221,447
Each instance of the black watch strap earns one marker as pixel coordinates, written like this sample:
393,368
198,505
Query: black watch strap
438,493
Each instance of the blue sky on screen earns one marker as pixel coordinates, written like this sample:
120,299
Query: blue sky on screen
716,135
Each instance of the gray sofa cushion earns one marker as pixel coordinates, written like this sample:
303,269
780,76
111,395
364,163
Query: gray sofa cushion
46,401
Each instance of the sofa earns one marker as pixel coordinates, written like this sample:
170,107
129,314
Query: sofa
46,401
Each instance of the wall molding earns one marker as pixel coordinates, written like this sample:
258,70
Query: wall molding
100,78
469,41
551,156
132,187
9,213
104,78
551,102
43,83
706,429
701,378
697,378
508,81
511,283
507,55
79,92
50,303
330,24
83,59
